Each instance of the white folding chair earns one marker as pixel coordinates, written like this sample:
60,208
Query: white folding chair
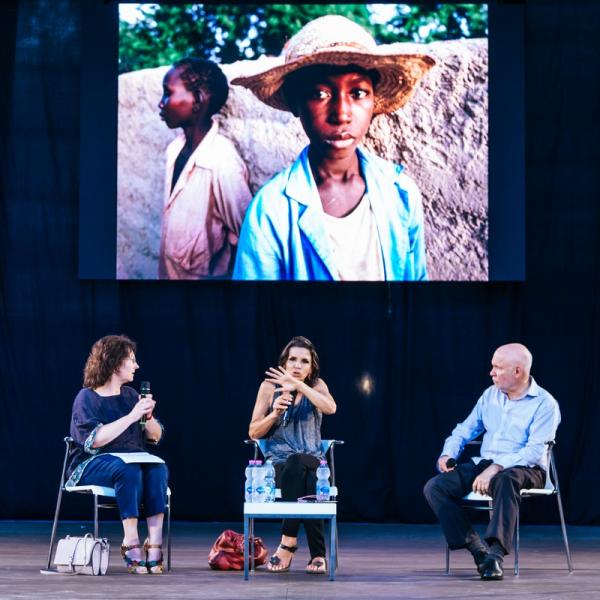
98,492
476,501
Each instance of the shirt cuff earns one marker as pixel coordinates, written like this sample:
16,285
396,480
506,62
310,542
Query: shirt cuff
89,442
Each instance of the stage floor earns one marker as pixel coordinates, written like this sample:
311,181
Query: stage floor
382,561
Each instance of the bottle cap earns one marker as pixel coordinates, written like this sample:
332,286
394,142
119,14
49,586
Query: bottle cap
323,463
258,463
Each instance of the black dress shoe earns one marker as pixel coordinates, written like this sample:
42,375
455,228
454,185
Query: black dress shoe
491,569
480,558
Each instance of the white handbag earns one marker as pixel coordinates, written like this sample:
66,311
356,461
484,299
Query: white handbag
82,555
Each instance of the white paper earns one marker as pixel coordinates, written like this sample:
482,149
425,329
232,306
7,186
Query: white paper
137,457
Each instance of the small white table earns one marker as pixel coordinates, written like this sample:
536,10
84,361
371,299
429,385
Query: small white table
290,510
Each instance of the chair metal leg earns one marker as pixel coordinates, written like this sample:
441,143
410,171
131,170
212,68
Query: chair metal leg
95,516
54,525
517,540
561,513
169,534
564,531
337,546
447,559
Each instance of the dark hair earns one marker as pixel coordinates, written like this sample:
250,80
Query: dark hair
201,74
106,356
302,342
295,84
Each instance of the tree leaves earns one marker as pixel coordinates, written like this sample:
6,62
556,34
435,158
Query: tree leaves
227,33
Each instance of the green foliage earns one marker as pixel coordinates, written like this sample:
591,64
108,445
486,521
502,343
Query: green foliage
226,33
432,22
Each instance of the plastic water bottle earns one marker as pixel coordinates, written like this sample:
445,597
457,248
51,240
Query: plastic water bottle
269,481
248,485
323,489
258,482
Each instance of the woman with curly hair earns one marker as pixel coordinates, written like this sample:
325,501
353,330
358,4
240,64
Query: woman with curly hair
106,421
288,412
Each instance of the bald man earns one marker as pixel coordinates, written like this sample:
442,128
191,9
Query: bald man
516,417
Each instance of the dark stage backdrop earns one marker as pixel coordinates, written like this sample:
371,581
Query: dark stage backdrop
204,346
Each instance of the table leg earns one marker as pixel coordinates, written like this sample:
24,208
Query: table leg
252,557
246,546
332,547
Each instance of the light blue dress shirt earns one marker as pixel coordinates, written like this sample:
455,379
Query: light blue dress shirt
516,431
284,237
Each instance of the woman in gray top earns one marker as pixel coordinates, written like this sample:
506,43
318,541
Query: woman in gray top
290,405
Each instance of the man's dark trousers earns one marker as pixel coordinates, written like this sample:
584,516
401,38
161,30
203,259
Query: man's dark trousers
445,491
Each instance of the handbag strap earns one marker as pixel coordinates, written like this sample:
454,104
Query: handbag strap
84,563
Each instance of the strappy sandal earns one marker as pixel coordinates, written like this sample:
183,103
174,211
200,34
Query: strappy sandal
134,566
275,561
319,563
155,567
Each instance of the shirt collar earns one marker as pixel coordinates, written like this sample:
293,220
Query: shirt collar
204,155
533,389
301,185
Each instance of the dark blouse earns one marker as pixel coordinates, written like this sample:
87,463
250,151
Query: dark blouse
90,412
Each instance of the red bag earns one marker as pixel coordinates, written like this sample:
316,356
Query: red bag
227,553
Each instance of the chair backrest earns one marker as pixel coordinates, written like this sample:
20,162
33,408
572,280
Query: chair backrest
325,445
551,474
68,440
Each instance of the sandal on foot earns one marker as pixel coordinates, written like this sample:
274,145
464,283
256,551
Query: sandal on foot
134,566
155,567
275,561
319,563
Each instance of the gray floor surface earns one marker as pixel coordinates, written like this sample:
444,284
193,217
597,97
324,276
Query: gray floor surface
377,561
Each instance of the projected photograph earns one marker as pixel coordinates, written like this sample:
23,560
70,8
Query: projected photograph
309,142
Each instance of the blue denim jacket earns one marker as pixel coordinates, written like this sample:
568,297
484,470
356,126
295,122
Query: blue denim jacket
284,237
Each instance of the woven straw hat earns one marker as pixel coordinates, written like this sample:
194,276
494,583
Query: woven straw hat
336,40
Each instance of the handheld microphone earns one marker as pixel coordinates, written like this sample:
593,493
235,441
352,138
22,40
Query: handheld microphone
144,391
450,463
286,414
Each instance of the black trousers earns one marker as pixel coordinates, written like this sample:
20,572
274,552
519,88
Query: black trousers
297,477
444,493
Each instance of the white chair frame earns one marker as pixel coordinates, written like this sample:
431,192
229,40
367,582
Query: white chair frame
97,491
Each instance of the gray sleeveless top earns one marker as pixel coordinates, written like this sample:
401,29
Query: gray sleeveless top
301,435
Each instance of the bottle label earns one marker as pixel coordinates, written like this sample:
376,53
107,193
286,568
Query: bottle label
323,491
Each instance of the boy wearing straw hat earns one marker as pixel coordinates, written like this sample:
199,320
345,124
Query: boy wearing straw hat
339,212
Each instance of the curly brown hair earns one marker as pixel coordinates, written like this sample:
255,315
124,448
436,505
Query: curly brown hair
300,341
106,356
